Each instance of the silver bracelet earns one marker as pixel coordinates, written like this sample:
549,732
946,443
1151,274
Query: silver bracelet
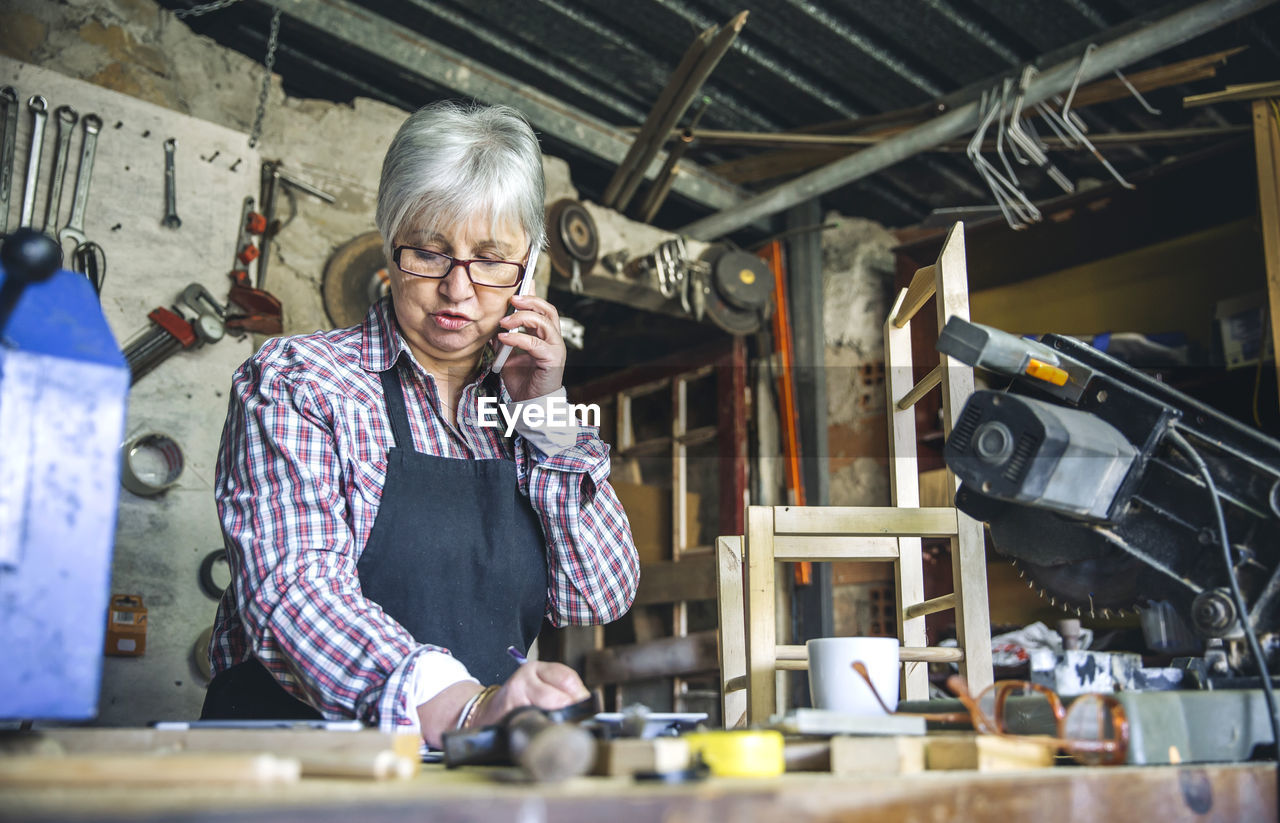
467,707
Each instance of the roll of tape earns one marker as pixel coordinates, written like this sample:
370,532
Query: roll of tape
150,464
739,753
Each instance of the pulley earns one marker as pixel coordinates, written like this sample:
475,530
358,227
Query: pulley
573,242
739,291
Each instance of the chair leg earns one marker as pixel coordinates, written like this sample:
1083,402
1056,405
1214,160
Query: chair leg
909,570
733,640
973,611
760,628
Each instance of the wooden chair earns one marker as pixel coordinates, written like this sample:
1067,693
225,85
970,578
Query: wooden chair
887,533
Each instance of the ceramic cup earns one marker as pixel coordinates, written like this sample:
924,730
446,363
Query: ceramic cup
834,685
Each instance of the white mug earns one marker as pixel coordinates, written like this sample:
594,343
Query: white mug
833,683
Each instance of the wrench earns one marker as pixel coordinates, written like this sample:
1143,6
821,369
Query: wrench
171,219
66,117
9,97
74,230
39,108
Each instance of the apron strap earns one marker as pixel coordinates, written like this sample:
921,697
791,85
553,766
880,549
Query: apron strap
394,394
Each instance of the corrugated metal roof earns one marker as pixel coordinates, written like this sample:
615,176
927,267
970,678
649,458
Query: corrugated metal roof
797,63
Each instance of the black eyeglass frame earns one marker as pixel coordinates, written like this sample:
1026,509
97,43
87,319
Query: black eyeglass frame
454,262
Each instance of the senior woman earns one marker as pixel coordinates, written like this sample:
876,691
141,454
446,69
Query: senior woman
386,546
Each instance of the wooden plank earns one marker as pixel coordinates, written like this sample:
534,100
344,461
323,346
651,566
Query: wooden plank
921,288
286,742
761,629
877,756
906,654
904,491
968,547
623,757
148,770
733,637
847,521
668,657
1266,148
1183,71
693,578
985,753
731,420
1247,91
826,548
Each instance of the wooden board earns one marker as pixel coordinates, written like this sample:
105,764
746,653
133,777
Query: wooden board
1266,146
1164,793
985,753
625,756
877,756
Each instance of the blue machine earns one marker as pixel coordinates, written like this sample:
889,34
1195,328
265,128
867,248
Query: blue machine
63,387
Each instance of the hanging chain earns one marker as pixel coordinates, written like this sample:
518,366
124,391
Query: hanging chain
270,60
196,11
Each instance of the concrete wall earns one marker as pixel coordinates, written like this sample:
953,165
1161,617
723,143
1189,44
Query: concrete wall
857,270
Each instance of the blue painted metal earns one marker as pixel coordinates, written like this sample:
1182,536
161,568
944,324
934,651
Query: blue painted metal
63,389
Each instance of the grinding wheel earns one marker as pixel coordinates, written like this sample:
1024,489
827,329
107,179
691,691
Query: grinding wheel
354,279
571,235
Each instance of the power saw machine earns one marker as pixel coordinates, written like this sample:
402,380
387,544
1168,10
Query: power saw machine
1113,492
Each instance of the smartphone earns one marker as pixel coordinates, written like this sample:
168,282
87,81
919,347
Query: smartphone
526,287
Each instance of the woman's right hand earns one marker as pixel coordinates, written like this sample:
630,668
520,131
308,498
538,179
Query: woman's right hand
536,683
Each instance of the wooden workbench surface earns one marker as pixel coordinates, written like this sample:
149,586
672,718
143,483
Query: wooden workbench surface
1244,792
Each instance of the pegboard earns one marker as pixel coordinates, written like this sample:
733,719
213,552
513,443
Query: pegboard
160,541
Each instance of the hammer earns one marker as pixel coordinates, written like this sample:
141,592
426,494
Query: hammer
544,744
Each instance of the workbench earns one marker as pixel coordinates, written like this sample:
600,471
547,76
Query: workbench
1234,792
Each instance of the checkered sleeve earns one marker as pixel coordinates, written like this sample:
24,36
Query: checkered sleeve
292,554
592,558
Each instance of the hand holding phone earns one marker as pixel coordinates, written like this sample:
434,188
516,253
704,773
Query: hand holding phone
526,288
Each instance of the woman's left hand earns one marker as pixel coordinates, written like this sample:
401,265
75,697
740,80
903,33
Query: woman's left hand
536,365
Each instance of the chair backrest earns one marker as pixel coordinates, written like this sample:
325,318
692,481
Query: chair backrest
749,654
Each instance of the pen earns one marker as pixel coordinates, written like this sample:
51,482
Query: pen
517,655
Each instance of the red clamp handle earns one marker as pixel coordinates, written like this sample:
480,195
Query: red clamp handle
173,324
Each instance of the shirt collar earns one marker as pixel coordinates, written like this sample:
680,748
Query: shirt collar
382,346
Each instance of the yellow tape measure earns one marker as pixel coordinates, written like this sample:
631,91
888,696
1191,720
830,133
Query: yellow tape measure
739,753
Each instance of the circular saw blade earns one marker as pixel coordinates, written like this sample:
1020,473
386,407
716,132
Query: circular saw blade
354,279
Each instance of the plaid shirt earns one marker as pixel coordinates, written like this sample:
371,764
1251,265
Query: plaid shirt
299,477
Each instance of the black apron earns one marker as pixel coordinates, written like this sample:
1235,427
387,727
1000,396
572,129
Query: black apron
456,556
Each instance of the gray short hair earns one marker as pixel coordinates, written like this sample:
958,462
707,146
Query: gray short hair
450,160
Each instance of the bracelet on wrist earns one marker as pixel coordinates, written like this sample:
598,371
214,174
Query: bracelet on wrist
475,704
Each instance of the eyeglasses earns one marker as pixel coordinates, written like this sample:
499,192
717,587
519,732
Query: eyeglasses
498,274
1093,729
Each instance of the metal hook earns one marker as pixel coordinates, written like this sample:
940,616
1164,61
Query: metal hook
1075,81
1137,94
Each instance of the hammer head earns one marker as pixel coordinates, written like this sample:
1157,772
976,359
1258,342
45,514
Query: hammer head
544,744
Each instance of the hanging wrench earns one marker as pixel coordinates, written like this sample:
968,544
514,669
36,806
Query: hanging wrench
66,117
74,230
39,108
171,218
9,97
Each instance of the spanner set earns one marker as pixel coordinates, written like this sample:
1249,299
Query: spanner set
86,257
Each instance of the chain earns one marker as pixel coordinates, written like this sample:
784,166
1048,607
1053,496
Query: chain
196,11
270,60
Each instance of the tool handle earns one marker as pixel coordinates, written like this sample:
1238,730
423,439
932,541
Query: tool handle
28,257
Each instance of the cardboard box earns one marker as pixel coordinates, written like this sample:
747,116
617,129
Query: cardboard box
649,510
